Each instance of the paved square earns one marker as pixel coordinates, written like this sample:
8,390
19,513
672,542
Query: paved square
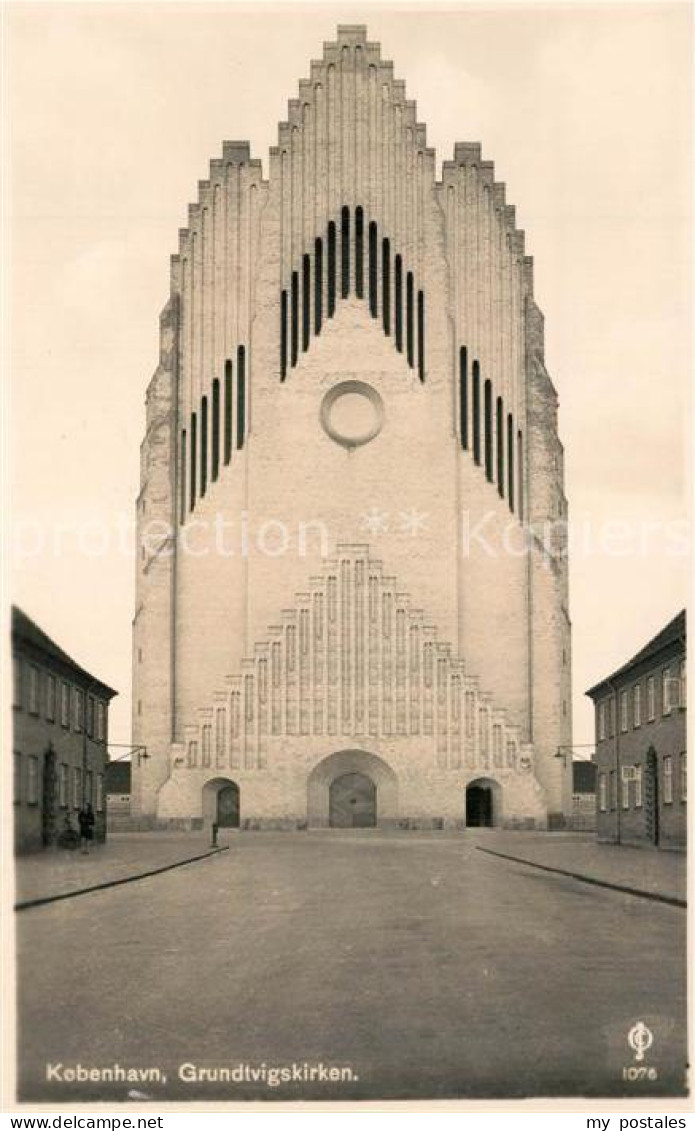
421,965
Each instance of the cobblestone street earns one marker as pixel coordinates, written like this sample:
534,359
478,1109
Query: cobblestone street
425,967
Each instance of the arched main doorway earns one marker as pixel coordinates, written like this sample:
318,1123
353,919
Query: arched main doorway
221,803
352,789
482,804
352,802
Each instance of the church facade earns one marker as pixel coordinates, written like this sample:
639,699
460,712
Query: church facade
349,611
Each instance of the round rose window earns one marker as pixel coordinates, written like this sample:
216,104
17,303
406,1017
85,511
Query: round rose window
352,413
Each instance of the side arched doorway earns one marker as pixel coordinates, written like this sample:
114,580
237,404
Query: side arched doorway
222,803
352,802
482,804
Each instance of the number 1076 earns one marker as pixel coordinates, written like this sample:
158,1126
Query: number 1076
633,1073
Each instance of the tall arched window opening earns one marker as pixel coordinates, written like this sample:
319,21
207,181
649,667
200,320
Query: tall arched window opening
241,397
215,429
359,252
227,411
499,446
463,396
345,252
476,411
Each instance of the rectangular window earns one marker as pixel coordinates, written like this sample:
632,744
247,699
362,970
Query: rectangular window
32,780
666,691
100,793
33,689
684,776
625,792
77,708
651,699
638,787
51,698
684,685
602,793
88,787
623,711
601,721
65,704
101,721
17,791
611,717
62,785
637,705
668,779
77,787
16,681
614,789
90,716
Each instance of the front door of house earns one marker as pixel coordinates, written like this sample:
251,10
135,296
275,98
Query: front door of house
651,797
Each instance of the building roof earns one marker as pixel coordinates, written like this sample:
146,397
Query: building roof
117,777
672,633
583,777
26,631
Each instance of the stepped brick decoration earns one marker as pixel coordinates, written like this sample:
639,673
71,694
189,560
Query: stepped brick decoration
349,609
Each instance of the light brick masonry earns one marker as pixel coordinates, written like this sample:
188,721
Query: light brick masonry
350,465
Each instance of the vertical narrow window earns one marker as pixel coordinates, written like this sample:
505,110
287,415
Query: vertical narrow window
215,429
409,344
398,301
623,712
240,397
637,705
463,396
601,721
294,319
500,446
372,269
421,335
193,463
510,461
228,408
386,285
318,285
182,473
283,335
306,302
651,699
359,252
345,252
668,779
203,446
520,473
476,411
331,269
488,430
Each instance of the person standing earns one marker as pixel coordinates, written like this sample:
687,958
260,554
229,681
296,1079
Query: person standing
85,819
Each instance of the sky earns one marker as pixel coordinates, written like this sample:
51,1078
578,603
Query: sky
112,114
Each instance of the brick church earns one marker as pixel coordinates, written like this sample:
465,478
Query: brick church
347,614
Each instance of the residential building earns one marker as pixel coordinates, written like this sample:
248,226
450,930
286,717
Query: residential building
641,744
60,734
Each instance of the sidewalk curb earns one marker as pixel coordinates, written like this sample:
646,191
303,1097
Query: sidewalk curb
673,900
29,903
